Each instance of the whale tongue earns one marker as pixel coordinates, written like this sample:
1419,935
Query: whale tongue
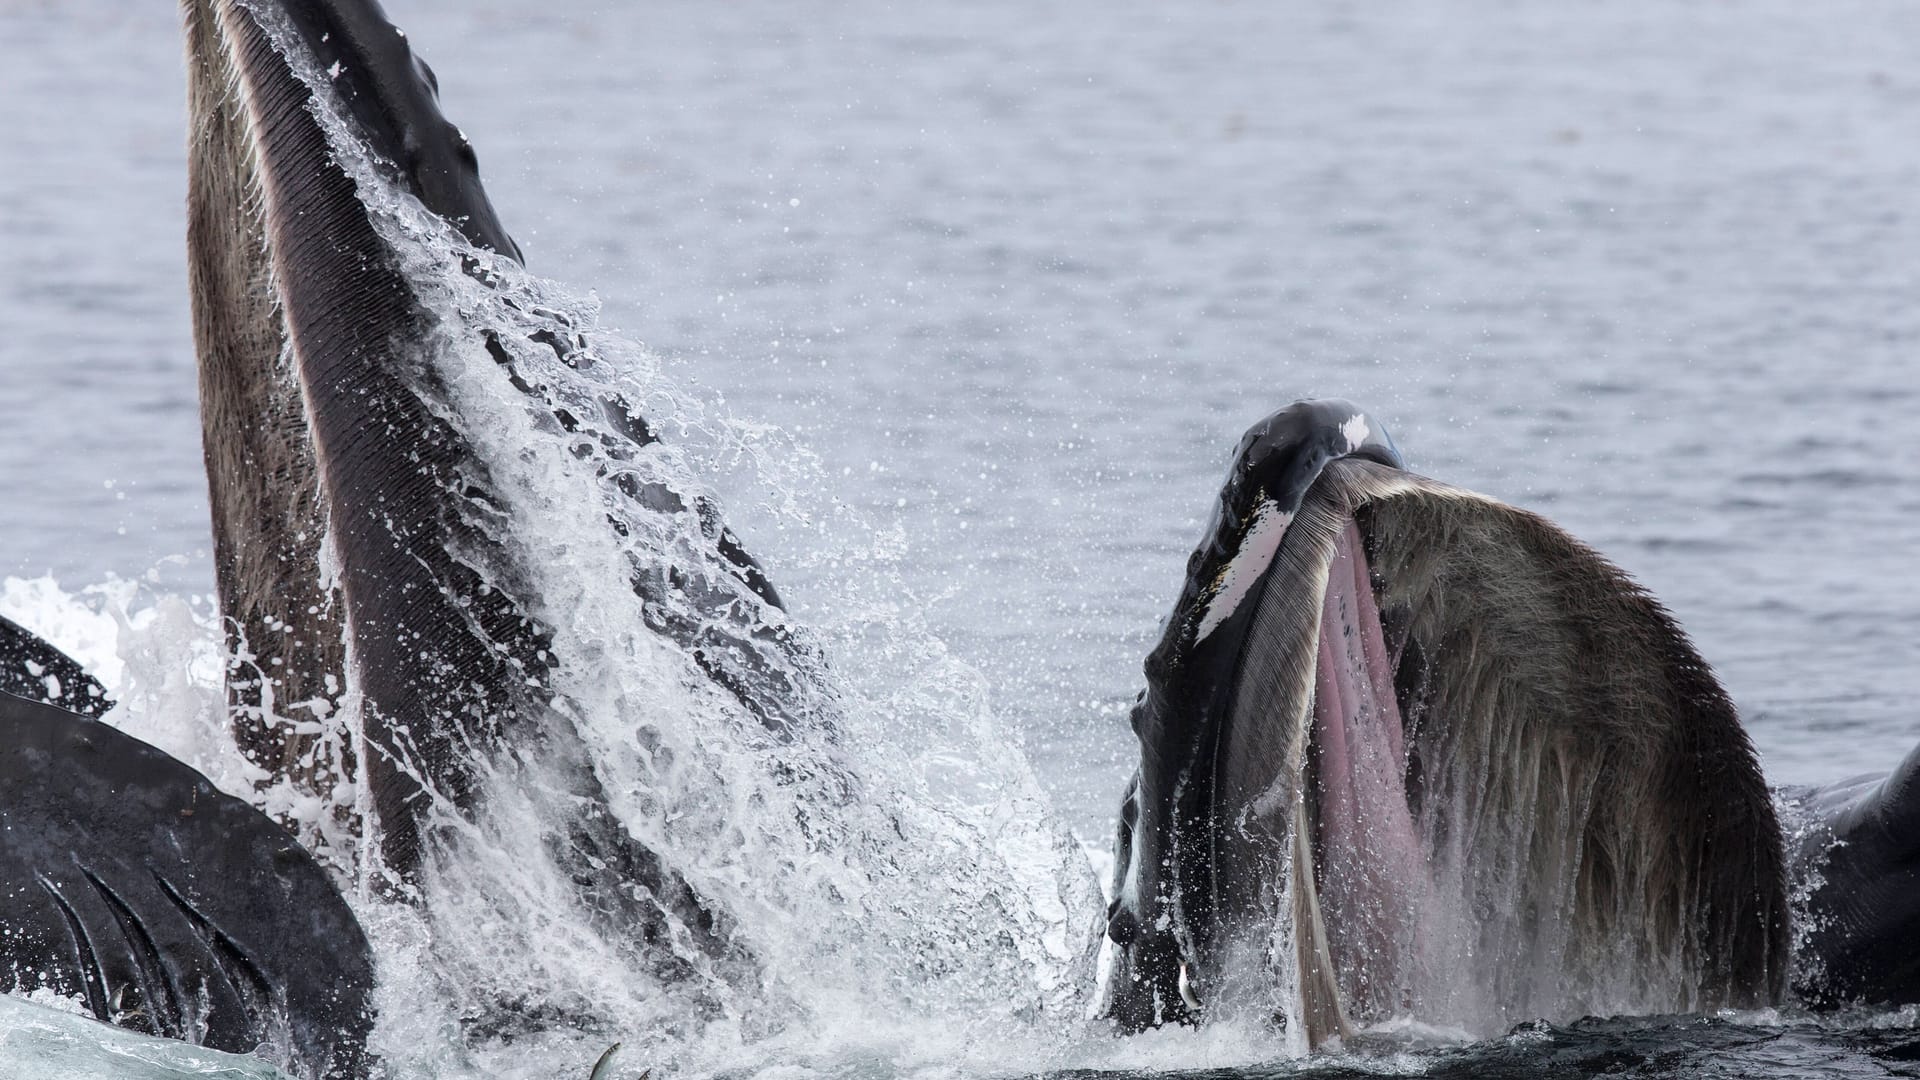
1371,873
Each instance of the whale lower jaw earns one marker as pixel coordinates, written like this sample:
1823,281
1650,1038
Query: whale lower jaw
382,600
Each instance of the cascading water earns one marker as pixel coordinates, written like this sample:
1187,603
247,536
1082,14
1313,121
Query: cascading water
883,852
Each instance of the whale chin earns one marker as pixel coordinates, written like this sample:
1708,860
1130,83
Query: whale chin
1407,750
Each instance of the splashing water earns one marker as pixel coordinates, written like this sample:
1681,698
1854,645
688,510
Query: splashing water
886,853
878,848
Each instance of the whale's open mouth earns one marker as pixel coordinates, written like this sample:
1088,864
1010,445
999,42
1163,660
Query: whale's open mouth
1407,749
1358,873
1369,870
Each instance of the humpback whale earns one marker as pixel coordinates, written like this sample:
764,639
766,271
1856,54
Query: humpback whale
1405,749
1858,863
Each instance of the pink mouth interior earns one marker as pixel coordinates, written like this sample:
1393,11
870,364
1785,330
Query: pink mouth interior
1371,873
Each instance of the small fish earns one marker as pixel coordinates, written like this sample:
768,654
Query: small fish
603,1068
1186,993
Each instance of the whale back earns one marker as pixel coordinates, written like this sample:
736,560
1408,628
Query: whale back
1859,855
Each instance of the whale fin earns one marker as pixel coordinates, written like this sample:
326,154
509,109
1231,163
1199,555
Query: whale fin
32,668
135,886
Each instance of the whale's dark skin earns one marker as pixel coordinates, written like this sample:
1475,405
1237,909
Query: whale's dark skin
27,663
1862,860
129,882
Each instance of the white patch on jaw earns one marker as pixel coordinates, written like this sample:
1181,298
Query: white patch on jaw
1356,431
1236,580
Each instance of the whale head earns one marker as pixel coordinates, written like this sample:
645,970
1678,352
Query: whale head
346,510
1406,750
1170,869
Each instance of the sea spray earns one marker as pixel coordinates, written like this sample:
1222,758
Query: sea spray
871,842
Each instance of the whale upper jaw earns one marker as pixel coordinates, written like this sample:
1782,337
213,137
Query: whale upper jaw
393,97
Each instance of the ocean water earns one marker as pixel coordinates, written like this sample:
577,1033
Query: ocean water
1015,278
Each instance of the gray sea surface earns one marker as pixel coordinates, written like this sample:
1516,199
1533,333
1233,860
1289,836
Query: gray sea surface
1020,274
